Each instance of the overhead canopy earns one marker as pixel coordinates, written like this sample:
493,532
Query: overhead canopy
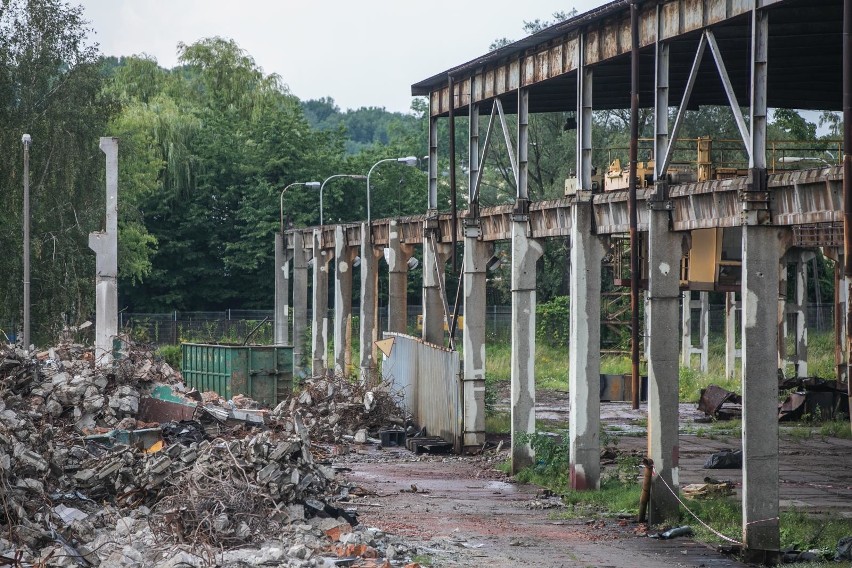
805,58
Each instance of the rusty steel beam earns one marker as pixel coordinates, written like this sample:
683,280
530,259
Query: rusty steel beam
847,179
809,199
635,277
606,38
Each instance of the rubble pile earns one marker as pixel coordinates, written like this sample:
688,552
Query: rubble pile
334,408
85,483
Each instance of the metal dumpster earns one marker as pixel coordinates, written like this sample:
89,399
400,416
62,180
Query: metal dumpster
262,372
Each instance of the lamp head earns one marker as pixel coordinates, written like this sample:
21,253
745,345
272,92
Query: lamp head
409,161
26,139
313,185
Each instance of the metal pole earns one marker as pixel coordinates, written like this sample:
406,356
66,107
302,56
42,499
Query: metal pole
452,149
847,177
26,140
635,276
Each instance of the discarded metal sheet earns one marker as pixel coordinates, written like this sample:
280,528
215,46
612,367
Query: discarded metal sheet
714,397
619,388
161,411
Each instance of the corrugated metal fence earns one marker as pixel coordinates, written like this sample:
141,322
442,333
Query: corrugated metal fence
429,377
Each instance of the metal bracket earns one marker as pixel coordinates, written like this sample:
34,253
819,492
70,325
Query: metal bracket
522,209
472,228
660,205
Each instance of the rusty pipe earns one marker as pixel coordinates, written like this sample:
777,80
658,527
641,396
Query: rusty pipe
847,180
645,496
453,196
635,276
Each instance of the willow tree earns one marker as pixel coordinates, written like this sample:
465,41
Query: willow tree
50,88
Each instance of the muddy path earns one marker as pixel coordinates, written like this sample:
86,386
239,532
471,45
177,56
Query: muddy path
465,512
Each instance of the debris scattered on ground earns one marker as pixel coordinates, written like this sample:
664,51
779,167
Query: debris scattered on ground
719,403
726,459
708,490
673,533
126,466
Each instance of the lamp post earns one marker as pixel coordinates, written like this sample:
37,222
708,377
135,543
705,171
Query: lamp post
308,184
26,140
328,179
282,286
410,161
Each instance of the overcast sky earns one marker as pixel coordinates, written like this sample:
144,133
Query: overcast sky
360,53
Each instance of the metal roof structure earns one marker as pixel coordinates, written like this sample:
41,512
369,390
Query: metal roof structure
805,58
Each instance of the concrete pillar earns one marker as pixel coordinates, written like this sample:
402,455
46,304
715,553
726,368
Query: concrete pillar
686,329
105,246
282,292
664,255
781,322
731,350
319,345
344,256
761,253
397,255
584,359
476,256
702,305
435,256
525,253
801,310
300,305
369,319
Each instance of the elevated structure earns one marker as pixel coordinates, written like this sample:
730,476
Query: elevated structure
681,52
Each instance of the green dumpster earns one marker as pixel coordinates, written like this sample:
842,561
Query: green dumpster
262,372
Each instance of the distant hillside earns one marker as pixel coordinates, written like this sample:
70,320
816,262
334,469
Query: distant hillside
364,127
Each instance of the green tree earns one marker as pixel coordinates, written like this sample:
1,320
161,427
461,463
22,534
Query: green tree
50,87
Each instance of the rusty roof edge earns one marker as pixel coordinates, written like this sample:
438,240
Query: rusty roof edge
426,86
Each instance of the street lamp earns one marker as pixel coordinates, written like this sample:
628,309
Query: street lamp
308,184
410,161
26,140
328,179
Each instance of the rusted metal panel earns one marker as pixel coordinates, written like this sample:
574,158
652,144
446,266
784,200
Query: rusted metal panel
571,53
528,69
542,65
740,6
671,19
715,12
593,46
556,61
463,93
693,15
614,36
648,26
513,80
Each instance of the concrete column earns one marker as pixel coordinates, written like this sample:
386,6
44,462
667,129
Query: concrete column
105,246
397,256
781,322
435,256
704,326
584,359
476,256
344,256
664,254
761,252
282,292
525,253
686,329
300,305
801,307
319,344
369,320
731,351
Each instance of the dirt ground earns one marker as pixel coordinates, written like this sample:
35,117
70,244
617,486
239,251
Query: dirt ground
465,512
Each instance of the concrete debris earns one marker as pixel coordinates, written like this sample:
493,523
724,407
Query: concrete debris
96,475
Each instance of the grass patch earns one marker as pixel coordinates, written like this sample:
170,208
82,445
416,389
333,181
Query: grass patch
498,422
615,498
